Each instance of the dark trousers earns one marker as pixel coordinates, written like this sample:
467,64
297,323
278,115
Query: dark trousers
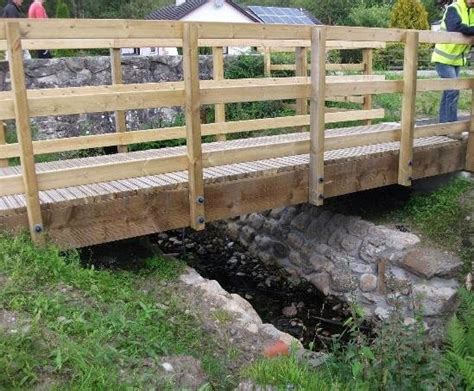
43,54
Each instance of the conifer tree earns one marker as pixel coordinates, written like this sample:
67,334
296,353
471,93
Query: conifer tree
409,14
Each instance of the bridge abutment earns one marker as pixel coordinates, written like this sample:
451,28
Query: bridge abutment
377,268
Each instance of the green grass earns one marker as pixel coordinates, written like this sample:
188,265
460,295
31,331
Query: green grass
438,214
91,329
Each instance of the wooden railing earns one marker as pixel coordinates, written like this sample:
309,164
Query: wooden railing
21,104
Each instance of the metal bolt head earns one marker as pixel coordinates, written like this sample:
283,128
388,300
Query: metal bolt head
410,178
200,200
410,163
321,197
201,220
38,228
321,180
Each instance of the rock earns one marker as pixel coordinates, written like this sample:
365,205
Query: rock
256,221
342,281
399,240
183,372
233,230
252,328
301,221
295,240
361,268
429,263
435,299
368,282
276,213
280,250
351,244
247,235
321,281
290,311
382,313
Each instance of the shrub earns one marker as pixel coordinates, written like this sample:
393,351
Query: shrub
375,16
409,14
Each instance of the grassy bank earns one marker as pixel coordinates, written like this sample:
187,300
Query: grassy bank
68,327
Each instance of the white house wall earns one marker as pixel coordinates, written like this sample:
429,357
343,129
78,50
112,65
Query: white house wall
206,13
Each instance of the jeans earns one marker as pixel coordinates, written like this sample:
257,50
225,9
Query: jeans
448,109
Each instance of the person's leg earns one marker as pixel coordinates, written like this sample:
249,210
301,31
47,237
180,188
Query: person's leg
448,110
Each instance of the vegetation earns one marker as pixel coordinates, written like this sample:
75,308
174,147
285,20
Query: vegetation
409,14
82,328
400,357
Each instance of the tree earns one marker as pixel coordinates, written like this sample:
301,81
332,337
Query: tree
62,10
374,16
409,14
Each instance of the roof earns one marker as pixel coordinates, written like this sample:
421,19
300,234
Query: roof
177,12
283,15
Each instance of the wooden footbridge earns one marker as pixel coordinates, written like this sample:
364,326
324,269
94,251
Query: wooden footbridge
79,202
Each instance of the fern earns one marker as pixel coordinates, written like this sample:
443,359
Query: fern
460,336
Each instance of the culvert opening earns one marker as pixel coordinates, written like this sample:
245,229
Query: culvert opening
292,306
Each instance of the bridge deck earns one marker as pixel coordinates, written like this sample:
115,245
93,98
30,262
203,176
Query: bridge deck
60,206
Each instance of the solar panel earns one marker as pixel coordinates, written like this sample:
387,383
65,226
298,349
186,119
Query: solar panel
281,15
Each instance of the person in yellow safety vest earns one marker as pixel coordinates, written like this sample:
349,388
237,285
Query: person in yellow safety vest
448,58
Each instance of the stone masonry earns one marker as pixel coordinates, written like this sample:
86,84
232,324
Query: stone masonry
378,268
96,71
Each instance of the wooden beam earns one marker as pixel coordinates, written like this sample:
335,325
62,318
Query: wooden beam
267,62
367,60
410,66
177,132
470,140
218,73
301,69
22,120
318,94
120,216
193,125
116,68
3,141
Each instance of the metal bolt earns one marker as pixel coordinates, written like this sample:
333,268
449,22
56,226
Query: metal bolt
321,180
38,228
410,163
410,178
200,200
321,197
201,220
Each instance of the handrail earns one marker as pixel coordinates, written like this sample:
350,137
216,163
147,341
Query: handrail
22,104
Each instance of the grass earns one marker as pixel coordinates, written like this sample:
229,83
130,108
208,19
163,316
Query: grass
94,329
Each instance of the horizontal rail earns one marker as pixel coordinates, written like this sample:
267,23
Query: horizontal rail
135,29
329,67
67,177
8,151
151,95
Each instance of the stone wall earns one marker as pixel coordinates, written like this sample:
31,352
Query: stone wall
355,260
94,71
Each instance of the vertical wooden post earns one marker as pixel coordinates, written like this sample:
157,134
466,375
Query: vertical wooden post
193,125
302,70
3,141
218,66
22,118
116,67
470,140
410,65
318,95
267,62
367,61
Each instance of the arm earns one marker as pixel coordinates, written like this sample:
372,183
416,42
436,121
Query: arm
454,23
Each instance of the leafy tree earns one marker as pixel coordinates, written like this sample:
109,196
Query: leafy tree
409,14
374,16
62,10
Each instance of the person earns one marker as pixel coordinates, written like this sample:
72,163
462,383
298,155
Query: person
37,11
449,58
12,9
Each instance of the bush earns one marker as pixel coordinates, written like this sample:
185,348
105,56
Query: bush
409,14
375,16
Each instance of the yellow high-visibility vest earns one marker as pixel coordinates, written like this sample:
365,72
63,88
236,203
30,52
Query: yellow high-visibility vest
453,53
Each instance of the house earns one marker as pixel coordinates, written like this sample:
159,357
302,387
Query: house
224,11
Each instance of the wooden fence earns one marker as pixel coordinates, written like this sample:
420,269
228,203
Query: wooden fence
21,104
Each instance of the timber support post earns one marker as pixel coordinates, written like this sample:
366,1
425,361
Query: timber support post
317,121
470,140
116,70
193,125
410,66
22,121
367,61
218,73
302,70
3,141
